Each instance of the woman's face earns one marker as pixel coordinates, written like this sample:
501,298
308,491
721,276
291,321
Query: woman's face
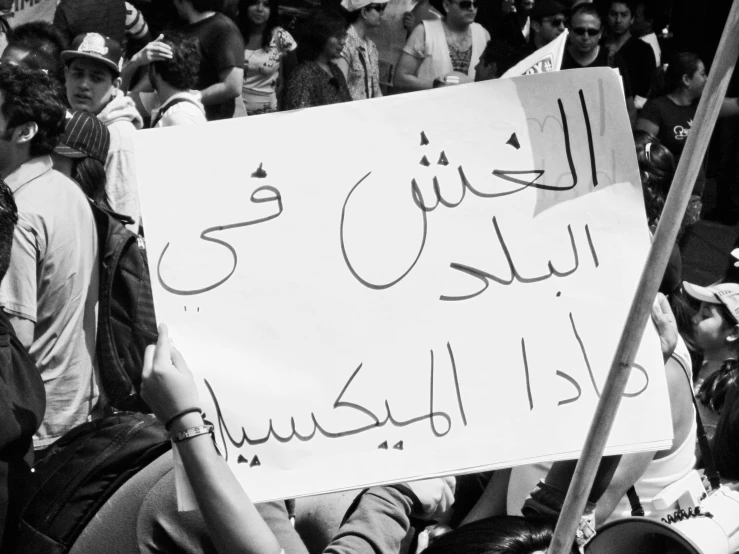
697,82
258,12
710,330
334,45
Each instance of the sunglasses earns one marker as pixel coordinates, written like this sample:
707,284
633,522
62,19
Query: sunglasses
581,31
379,8
467,4
557,22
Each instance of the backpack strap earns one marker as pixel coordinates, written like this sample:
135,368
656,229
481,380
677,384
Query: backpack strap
168,106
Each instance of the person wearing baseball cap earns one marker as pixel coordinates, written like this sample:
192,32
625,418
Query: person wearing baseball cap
93,84
716,335
360,60
82,152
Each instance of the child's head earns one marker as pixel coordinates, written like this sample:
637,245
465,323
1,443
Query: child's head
716,324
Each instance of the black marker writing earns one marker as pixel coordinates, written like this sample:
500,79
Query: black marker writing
205,235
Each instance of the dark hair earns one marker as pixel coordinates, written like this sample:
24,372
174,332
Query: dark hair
31,95
631,4
201,6
656,167
650,10
497,535
500,53
315,31
45,41
351,17
90,176
245,24
587,9
682,63
181,70
8,219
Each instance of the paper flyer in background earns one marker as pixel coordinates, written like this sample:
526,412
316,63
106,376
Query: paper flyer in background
416,285
546,59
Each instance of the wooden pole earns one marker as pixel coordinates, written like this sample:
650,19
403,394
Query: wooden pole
654,268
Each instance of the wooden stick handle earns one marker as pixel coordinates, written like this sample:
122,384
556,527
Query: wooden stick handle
654,268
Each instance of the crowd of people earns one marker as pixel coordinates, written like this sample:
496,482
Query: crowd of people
73,92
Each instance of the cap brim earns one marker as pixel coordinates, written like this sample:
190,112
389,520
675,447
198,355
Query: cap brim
69,152
69,55
703,294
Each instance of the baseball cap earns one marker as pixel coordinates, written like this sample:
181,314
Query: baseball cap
545,8
722,293
354,5
84,136
95,46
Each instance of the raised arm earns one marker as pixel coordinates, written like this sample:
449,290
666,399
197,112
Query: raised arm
233,522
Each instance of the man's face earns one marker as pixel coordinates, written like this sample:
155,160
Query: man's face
620,18
90,85
586,33
640,26
550,27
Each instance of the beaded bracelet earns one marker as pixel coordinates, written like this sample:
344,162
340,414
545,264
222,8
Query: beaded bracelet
178,415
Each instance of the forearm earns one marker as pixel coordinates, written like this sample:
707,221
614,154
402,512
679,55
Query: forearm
233,522
408,82
219,92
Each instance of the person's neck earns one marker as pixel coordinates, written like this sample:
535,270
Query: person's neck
713,361
360,27
617,41
522,18
14,161
681,97
197,17
585,59
323,63
456,27
647,31
166,91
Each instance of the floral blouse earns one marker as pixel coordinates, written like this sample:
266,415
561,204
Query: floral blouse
309,85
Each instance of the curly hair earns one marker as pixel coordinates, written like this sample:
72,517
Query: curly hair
31,95
245,23
45,41
8,219
181,71
317,29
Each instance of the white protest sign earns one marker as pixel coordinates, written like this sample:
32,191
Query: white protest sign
409,286
25,11
545,59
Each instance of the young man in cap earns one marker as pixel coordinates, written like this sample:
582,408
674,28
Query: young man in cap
548,21
93,85
50,291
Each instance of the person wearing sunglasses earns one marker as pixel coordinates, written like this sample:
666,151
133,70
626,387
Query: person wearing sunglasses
360,60
547,23
443,51
584,50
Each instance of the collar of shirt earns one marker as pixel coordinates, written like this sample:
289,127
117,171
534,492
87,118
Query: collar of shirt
29,171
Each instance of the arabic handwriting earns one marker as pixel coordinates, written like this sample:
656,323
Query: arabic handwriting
485,277
275,196
440,422
529,178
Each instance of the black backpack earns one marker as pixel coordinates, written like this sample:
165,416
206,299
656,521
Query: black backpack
22,406
126,319
80,473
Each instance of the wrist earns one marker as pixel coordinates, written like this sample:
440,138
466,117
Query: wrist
186,421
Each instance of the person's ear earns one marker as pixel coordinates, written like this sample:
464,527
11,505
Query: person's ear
734,335
117,83
25,132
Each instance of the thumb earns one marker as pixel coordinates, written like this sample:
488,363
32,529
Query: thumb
161,355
